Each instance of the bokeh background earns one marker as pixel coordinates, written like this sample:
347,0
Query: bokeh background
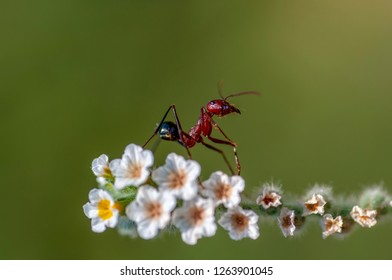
82,78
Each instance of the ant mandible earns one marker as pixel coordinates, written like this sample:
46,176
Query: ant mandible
170,131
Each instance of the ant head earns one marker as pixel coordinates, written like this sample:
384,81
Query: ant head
220,107
169,131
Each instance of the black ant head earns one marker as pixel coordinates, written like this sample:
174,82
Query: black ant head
169,131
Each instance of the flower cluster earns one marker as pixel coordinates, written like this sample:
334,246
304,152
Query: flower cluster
143,201
170,195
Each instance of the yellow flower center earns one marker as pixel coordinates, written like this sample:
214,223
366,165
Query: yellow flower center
104,210
107,173
118,206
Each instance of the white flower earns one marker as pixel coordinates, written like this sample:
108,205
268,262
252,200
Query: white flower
178,176
101,209
224,189
150,211
132,168
315,205
100,167
270,196
364,217
240,223
286,221
195,219
331,225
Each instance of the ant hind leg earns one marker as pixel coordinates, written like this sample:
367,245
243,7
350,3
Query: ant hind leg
222,153
229,142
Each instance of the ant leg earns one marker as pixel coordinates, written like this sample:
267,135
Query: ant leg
158,127
234,145
226,142
219,151
216,126
180,131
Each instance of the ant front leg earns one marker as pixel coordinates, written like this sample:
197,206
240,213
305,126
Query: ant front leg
158,127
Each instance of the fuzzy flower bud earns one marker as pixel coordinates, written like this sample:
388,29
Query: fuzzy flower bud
331,225
287,222
315,205
364,217
270,196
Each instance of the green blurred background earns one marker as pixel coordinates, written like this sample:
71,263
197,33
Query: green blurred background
82,78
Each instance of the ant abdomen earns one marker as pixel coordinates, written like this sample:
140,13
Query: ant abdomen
169,131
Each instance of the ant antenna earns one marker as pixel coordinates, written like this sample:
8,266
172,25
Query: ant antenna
220,85
242,93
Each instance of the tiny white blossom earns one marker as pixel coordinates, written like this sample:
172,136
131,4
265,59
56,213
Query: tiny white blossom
150,211
132,168
286,221
315,205
224,189
100,167
240,223
331,225
178,176
101,209
270,197
195,219
364,217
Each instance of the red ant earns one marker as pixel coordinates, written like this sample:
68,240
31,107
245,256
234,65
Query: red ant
170,131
